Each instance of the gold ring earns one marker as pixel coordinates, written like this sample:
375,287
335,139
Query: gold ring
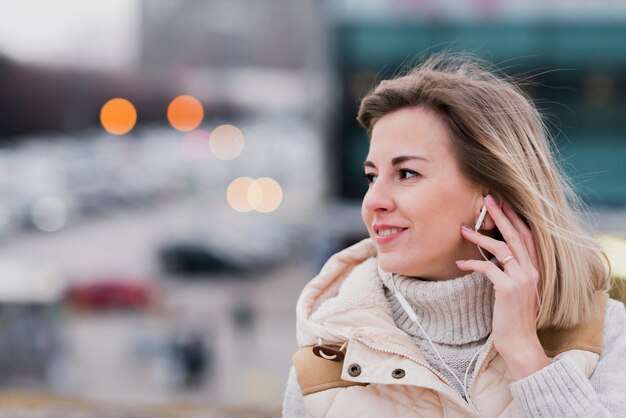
506,259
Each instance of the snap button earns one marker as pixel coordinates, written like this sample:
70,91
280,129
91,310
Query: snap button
398,374
328,353
354,370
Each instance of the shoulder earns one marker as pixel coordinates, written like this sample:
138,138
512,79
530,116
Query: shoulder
613,334
609,377
614,320
616,307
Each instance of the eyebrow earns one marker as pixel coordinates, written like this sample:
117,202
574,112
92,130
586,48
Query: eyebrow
397,160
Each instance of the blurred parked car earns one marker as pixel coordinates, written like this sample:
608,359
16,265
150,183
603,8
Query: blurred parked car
110,293
230,244
197,257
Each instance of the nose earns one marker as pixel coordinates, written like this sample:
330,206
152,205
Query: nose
379,197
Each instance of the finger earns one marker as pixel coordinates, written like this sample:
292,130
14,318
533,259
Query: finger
501,281
524,231
496,247
493,273
508,231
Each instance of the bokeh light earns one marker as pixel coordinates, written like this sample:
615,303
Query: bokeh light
185,113
49,214
255,194
271,195
118,116
263,195
195,145
226,142
237,194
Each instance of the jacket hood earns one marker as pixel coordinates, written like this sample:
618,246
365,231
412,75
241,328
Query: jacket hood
348,282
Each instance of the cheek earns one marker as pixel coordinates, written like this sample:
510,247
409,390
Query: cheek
433,221
439,200
366,217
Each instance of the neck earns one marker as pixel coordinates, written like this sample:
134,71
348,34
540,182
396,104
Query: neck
454,312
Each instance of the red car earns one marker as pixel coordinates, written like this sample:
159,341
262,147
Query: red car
106,293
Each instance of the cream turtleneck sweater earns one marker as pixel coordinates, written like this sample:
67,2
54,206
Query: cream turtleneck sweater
456,314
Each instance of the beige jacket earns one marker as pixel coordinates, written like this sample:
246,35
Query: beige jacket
354,361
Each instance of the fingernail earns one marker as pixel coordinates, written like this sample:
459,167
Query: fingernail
466,228
460,261
490,200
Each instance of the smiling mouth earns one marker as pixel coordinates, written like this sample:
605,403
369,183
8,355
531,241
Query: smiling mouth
388,232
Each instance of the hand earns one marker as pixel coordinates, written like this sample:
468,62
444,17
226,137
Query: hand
515,311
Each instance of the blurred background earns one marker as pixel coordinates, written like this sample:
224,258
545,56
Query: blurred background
172,172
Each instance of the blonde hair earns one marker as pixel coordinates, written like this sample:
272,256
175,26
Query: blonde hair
501,143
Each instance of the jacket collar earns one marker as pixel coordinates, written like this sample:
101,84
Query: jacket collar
346,300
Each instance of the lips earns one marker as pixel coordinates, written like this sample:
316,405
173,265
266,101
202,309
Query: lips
387,233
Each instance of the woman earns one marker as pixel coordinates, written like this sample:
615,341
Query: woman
416,320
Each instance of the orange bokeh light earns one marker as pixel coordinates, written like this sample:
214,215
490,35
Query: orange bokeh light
118,116
185,113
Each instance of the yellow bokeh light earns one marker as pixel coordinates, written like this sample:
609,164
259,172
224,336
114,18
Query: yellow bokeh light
271,195
118,116
237,194
185,113
226,142
195,145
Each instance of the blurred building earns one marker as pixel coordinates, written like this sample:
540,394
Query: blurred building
217,33
573,54
245,56
476,10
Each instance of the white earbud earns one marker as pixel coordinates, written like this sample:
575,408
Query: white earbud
481,218
479,224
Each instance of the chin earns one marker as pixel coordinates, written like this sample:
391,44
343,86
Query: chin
391,264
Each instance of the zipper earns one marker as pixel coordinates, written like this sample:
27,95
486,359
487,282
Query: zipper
479,362
464,404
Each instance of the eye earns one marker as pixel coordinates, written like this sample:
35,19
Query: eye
369,178
409,172
404,174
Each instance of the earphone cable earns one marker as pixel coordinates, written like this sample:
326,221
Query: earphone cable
413,316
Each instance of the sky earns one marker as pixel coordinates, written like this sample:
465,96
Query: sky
71,33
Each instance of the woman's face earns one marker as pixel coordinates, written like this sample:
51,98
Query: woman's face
416,187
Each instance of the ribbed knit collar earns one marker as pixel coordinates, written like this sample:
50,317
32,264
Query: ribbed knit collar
455,311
